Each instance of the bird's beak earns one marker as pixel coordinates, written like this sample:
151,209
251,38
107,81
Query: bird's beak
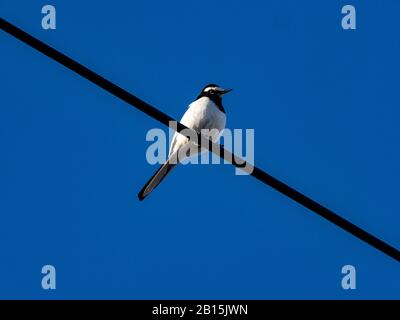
224,91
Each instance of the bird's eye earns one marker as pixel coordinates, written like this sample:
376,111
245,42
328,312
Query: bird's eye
211,91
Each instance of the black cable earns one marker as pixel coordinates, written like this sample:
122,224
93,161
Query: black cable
165,119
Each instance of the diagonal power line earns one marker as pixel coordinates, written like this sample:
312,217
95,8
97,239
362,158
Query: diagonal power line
213,147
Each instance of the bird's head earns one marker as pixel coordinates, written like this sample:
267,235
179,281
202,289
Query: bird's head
213,91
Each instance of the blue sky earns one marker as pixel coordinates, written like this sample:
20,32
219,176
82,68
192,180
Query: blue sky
324,105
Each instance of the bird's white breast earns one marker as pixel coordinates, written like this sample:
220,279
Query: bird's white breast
201,114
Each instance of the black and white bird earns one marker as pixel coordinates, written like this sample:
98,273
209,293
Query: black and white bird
206,112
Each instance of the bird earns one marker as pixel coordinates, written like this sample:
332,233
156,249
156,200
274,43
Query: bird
205,112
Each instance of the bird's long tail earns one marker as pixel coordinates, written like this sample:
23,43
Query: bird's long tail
155,180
